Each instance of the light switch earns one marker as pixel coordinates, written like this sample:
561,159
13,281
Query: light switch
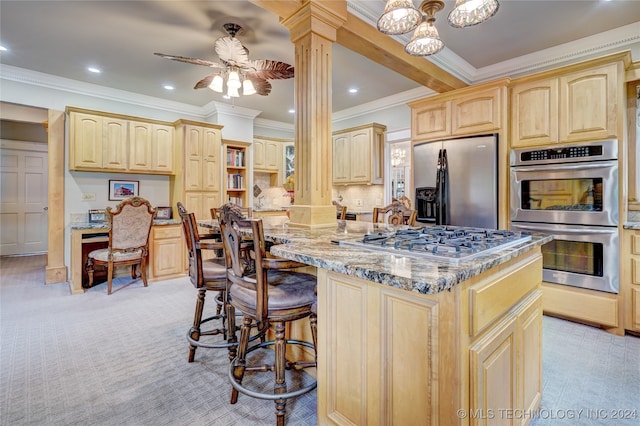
88,196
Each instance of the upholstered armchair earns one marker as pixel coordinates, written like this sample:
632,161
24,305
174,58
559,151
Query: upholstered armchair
130,226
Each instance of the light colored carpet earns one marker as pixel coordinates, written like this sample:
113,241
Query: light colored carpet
94,359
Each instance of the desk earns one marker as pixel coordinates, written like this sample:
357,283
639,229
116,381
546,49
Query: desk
167,252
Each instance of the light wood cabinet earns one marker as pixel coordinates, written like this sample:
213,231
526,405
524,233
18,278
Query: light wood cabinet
630,284
105,142
267,155
466,111
151,147
358,155
235,174
196,182
476,348
573,104
167,252
97,143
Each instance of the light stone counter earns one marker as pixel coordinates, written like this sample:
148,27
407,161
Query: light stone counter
317,247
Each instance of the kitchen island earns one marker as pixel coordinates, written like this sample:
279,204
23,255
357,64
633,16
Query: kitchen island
404,340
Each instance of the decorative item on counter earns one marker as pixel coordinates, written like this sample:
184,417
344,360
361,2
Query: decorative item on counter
164,213
97,216
256,190
289,183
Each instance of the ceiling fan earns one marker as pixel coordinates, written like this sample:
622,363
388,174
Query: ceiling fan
236,67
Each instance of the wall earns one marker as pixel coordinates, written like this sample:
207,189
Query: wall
370,196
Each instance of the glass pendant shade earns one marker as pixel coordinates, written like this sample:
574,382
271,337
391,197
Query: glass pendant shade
232,92
233,81
216,84
425,41
467,13
247,87
399,17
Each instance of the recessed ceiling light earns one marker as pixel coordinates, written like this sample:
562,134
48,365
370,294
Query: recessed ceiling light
168,87
3,49
292,111
353,90
94,70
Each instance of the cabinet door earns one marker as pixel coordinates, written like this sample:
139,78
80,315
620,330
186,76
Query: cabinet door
211,167
534,113
493,372
162,151
477,113
85,141
360,147
431,121
272,155
114,146
140,140
258,154
341,158
288,161
530,351
589,104
193,158
167,252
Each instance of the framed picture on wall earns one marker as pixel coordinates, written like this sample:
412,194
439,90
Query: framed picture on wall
97,216
164,213
122,189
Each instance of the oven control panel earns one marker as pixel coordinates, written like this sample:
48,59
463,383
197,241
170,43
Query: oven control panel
593,151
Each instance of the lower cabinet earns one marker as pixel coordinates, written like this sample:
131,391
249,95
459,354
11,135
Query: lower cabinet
167,252
630,284
471,355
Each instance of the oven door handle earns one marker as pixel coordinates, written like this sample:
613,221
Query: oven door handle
562,168
542,228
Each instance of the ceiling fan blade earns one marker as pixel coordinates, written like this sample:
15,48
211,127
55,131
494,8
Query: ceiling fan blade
195,61
262,86
230,50
205,82
266,68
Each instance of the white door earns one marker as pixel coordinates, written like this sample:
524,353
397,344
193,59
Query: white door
23,200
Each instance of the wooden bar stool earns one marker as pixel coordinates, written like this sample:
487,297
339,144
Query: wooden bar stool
270,295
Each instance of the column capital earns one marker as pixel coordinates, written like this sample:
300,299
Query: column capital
321,18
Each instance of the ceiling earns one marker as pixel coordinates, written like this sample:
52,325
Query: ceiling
63,38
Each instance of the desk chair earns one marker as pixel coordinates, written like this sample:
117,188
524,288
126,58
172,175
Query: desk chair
129,229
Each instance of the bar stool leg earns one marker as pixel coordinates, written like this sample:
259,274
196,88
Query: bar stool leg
240,363
280,358
194,333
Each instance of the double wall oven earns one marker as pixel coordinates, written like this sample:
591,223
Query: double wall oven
571,192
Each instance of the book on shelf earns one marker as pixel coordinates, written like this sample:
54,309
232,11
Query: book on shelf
235,181
236,200
235,157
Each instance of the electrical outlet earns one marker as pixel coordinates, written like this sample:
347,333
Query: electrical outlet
359,202
88,196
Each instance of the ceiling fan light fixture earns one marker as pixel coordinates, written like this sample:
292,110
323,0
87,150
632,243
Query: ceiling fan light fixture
217,84
399,17
467,13
233,80
232,92
247,87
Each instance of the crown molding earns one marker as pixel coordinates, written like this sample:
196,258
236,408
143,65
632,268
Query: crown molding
607,42
35,78
389,102
274,125
237,111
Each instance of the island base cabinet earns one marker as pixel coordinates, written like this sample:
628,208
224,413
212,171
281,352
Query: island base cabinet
167,252
389,356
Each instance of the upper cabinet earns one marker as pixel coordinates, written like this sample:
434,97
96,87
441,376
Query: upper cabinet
576,103
267,154
196,182
103,142
466,111
358,155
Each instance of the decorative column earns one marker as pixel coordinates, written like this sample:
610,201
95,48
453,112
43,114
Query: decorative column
313,31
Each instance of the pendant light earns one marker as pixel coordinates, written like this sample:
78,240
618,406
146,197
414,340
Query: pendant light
467,13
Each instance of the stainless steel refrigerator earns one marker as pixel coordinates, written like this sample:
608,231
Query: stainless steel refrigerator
456,181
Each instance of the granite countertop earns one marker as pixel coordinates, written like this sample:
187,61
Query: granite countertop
317,247
271,209
89,225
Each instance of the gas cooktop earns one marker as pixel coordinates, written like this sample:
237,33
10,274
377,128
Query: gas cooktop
452,244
